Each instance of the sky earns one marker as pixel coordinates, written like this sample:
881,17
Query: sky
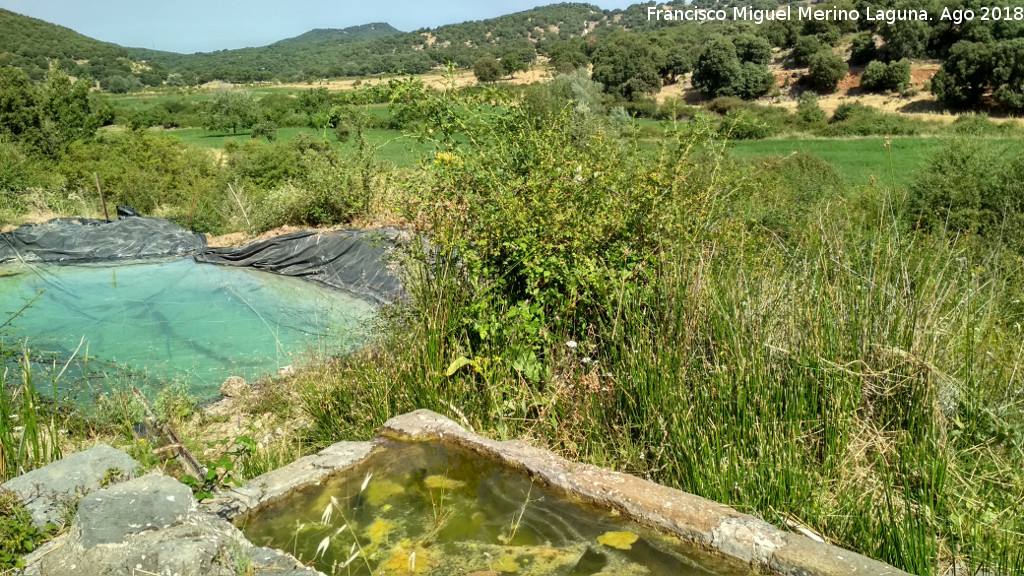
205,25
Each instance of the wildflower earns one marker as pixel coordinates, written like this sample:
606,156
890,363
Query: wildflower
571,344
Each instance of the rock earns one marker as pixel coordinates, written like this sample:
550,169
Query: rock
149,503
235,387
48,491
153,525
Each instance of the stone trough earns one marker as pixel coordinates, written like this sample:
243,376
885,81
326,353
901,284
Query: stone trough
153,527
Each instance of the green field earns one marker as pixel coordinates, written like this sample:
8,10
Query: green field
857,159
393,146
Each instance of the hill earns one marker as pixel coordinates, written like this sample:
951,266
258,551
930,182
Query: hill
29,44
380,48
336,35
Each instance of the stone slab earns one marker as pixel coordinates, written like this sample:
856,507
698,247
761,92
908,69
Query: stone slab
46,492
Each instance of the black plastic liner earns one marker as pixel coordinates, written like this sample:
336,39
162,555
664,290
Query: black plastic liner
80,240
350,260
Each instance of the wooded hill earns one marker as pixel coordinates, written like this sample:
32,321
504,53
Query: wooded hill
631,55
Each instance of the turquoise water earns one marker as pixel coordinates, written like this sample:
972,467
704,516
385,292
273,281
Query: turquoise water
196,323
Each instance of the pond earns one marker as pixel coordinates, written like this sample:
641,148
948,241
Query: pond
174,320
435,509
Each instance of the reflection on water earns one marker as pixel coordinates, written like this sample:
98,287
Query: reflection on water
427,508
178,319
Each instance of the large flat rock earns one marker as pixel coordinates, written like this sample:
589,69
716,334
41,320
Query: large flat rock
152,525
48,491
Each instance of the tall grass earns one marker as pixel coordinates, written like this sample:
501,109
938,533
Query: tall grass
857,378
29,428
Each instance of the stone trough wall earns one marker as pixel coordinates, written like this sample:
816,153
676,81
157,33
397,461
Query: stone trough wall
698,521
152,525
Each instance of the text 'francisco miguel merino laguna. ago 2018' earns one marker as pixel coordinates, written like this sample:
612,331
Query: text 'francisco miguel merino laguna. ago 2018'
833,14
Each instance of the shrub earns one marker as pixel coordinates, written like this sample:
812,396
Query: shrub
972,185
740,124
825,71
856,119
803,49
487,69
863,49
676,109
265,129
891,77
781,197
809,112
974,125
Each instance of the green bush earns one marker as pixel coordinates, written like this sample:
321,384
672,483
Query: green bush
809,112
488,69
781,197
891,77
306,182
740,124
18,536
803,49
676,109
157,174
974,125
825,70
856,119
863,49
975,186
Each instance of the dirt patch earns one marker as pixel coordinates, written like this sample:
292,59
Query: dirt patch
922,105
242,238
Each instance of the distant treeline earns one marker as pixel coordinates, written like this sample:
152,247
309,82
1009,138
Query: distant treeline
633,57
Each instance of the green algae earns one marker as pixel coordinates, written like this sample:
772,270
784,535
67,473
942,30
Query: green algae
427,509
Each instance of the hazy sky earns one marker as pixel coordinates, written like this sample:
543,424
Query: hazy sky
205,25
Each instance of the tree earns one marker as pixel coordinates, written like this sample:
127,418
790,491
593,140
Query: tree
513,62
719,72
717,68
231,110
567,56
1008,74
825,70
67,109
905,38
803,49
487,69
863,49
965,75
752,49
628,65
20,115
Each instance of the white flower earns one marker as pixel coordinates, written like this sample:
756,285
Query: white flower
571,344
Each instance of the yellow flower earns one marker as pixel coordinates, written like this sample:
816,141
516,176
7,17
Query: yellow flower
447,159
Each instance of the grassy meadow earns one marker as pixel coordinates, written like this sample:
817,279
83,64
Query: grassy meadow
754,320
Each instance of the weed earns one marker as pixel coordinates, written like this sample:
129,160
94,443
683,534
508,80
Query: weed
18,536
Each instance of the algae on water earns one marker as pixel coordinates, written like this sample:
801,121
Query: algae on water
427,509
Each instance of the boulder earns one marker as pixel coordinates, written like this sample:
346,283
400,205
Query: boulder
48,492
235,387
153,525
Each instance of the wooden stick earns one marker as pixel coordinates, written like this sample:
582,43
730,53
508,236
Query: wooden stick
195,199
102,201
177,447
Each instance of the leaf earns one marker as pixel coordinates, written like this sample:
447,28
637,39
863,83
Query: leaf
455,366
